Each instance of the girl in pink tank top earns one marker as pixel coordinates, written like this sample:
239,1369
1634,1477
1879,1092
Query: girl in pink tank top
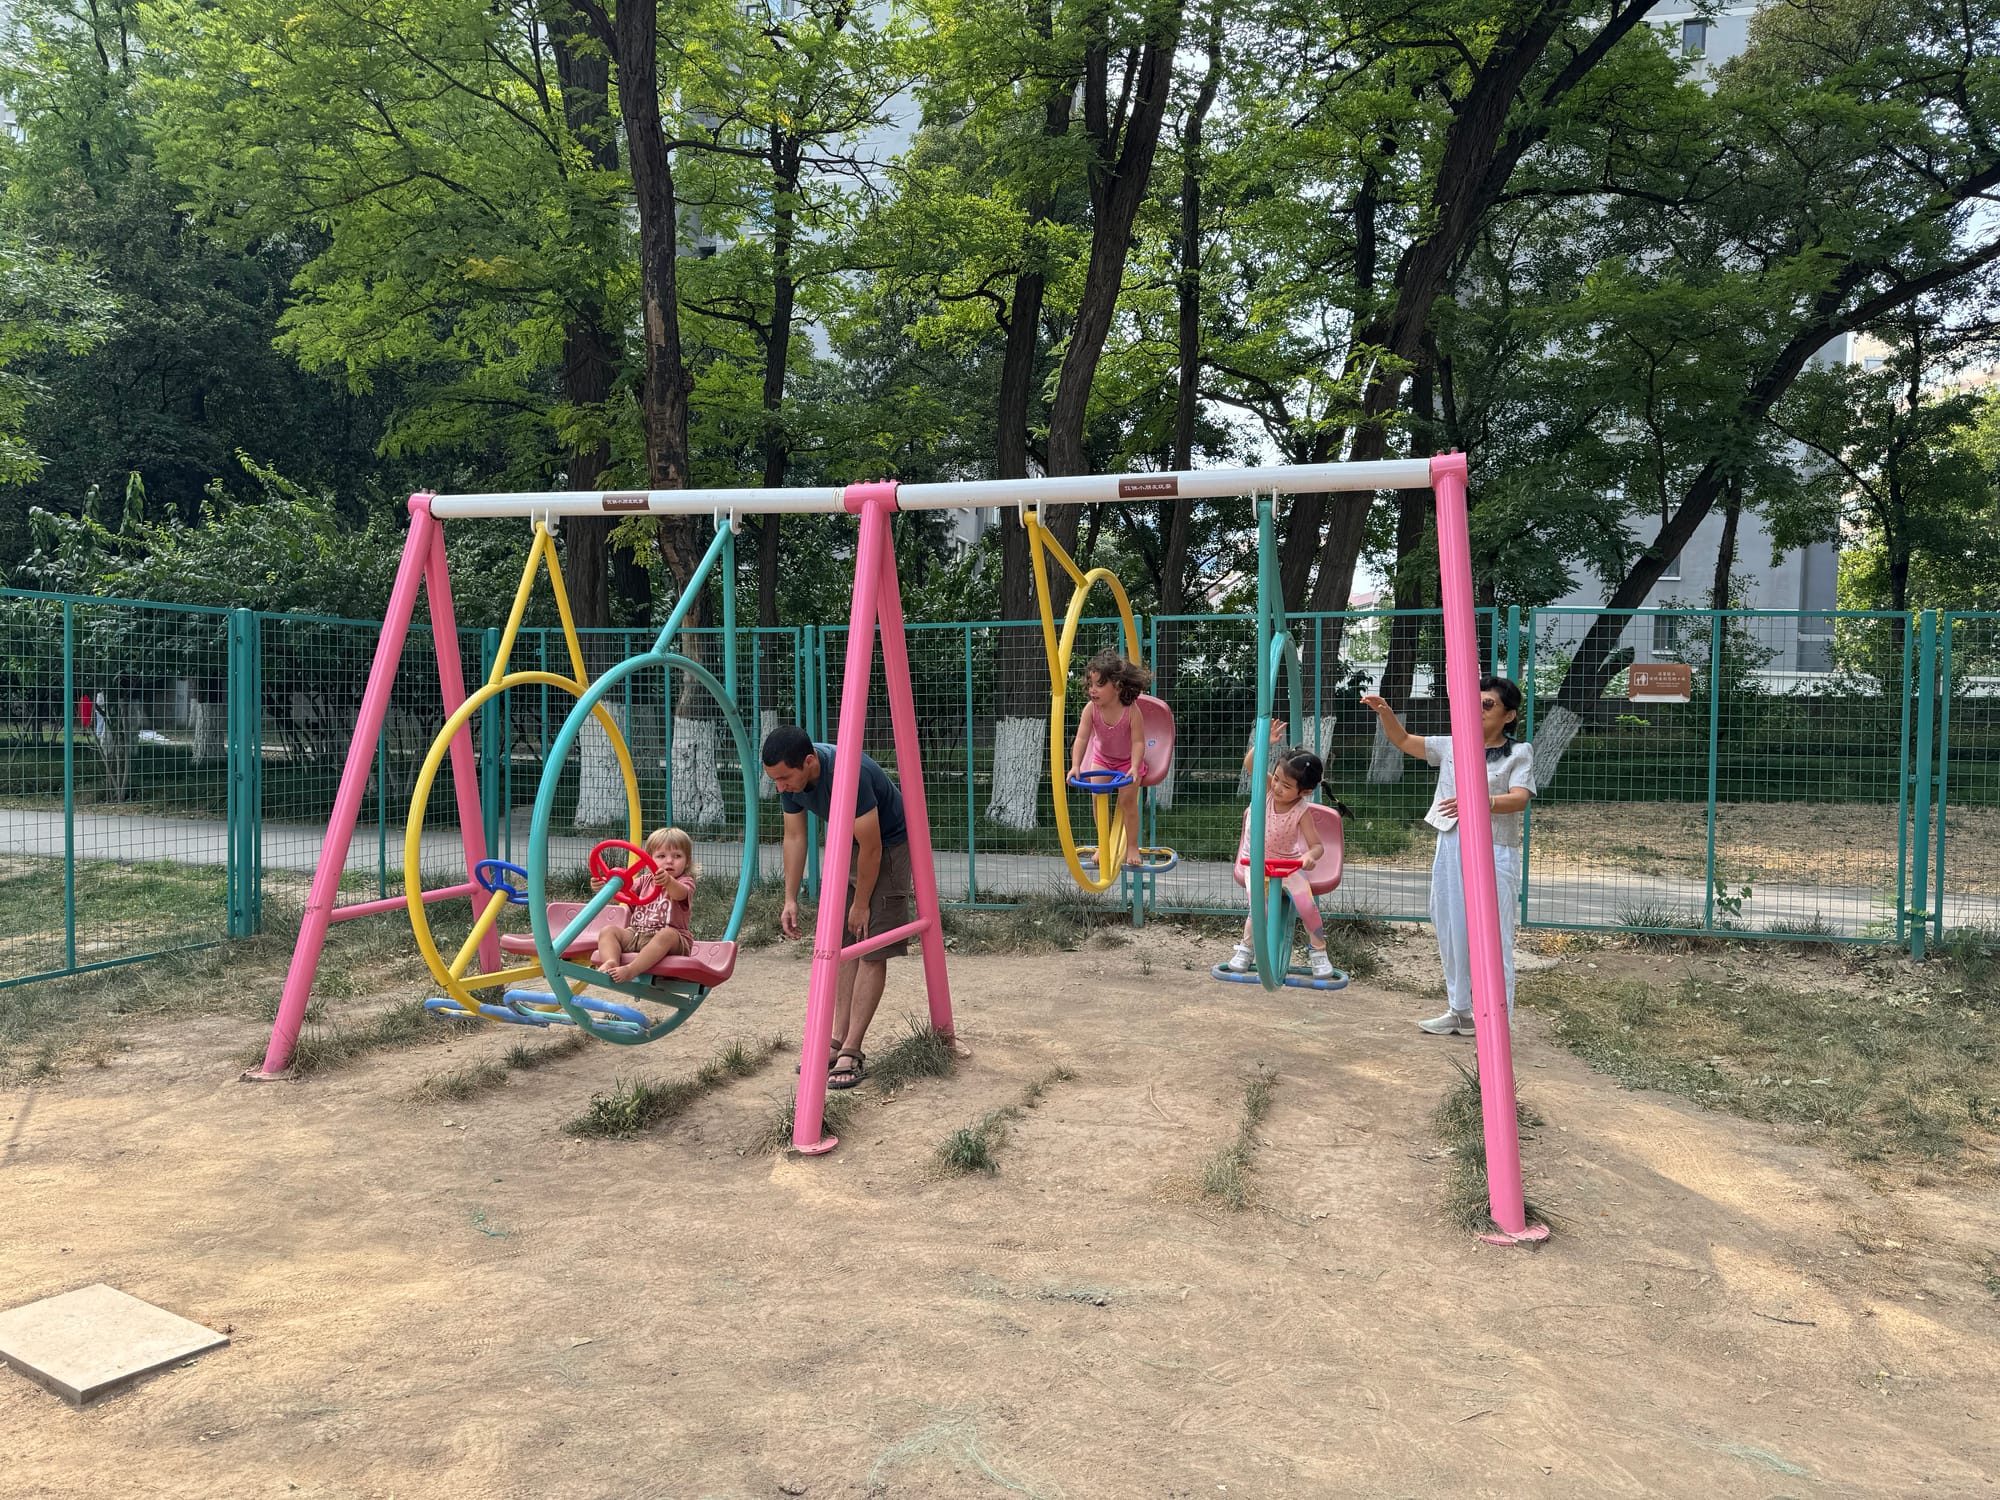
1288,834
1111,734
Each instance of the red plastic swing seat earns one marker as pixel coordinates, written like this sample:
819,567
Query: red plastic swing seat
710,964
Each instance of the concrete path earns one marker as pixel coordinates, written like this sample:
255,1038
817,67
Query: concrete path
1588,899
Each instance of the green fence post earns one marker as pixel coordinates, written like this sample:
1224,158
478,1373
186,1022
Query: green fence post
814,722
1319,676
667,739
239,813
382,815
253,744
69,783
1943,775
1908,680
1147,833
232,776
1528,733
1715,628
492,745
971,787
1920,772
1514,643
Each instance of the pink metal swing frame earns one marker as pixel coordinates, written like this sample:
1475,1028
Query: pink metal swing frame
878,611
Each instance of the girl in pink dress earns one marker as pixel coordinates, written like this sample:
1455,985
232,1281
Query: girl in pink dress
1111,735
1288,834
660,929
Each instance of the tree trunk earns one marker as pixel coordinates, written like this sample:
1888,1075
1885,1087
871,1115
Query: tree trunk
785,166
1179,513
1411,592
1478,159
211,724
1121,166
1725,554
1591,667
1022,684
590,348
632,38
590,360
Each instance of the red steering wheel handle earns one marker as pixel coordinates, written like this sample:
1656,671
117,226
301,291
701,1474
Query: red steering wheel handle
1278,869
639,863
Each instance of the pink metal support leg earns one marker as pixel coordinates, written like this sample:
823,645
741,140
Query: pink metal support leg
829,928
910,775
464,771
347,800
877,597
1475,842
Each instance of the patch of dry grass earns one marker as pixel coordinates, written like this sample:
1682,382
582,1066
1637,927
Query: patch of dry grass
638,1104
1903,1069
1225,1176
458,1084
1460,1122
975,1147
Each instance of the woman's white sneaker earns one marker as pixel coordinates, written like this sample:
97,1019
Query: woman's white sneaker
1451,1023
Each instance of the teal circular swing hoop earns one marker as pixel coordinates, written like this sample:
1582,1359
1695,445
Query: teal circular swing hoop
684,995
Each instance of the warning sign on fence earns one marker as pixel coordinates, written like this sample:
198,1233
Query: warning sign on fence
1660,682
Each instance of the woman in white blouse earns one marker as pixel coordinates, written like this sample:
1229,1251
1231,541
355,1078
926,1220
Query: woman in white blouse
1510,782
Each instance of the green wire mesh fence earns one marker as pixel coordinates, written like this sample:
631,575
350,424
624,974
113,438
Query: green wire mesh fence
166,772
1772,800
115,782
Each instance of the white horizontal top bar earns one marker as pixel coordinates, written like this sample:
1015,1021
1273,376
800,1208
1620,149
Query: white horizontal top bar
1196,484
825,500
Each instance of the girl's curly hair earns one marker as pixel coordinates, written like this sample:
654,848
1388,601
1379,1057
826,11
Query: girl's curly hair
1131,678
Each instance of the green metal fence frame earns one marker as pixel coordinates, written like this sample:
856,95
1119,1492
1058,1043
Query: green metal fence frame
1925,787
68,604
1908,927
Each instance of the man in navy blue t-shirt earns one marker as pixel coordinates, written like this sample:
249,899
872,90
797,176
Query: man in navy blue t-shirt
878,883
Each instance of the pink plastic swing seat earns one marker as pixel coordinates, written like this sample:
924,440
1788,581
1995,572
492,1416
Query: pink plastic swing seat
709,964
1325,876
1156,720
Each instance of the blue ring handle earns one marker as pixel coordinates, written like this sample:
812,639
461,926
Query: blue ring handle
1100,781
486,880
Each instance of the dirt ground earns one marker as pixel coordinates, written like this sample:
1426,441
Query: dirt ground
446,1300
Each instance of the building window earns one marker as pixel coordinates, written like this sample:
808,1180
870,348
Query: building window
1666,634
1671,573
1694,39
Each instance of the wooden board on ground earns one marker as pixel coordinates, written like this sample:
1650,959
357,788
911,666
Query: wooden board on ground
93,1340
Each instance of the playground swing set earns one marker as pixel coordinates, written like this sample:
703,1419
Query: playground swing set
561,933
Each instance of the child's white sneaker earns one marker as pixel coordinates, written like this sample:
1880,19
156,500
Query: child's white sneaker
1241,960
1322,963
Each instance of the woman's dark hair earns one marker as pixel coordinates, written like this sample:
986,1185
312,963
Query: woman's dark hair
1129,675
1508,692
1301,765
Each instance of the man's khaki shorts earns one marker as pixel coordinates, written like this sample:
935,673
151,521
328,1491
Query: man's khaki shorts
889,904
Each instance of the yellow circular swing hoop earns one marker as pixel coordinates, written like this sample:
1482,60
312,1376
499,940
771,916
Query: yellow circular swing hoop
1112,835
451,975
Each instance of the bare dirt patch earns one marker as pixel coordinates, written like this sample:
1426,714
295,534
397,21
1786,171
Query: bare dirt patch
457,1299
